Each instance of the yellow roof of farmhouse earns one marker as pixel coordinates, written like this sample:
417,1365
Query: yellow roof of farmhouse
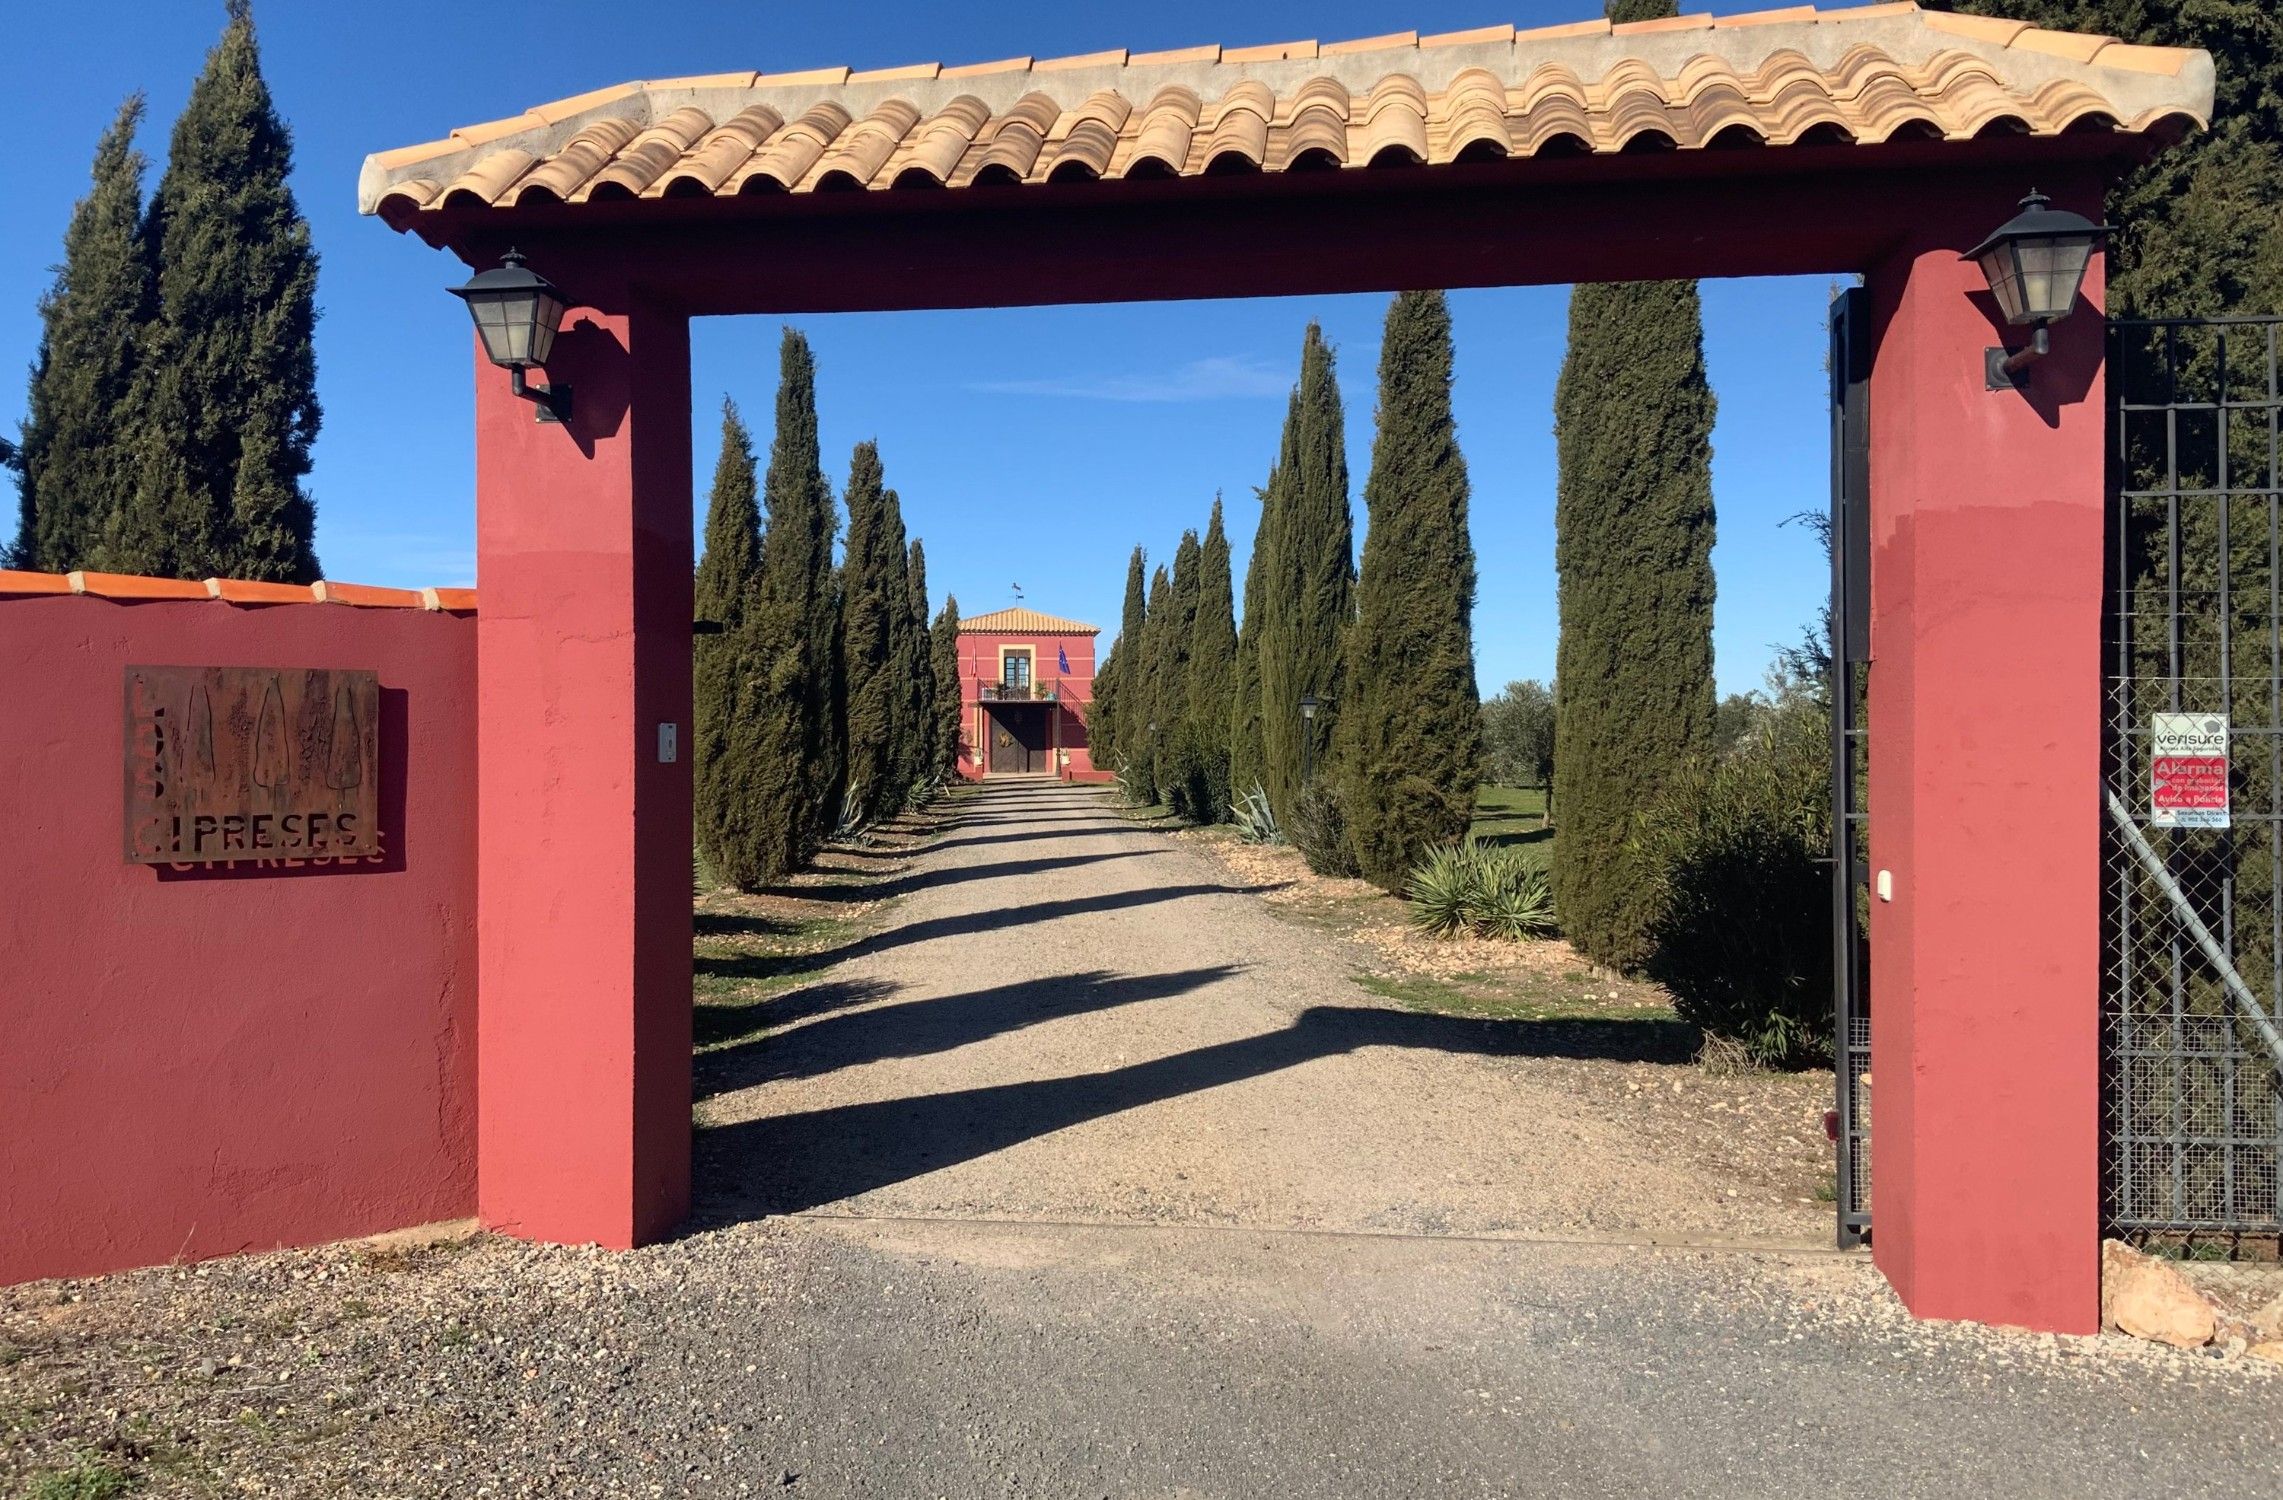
1021,621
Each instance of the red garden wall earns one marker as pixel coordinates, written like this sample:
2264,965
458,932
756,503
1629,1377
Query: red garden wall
196,1061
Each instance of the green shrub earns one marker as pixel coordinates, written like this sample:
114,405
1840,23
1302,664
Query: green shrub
88,1479
1255,819
1737,852
1482,889
1320,828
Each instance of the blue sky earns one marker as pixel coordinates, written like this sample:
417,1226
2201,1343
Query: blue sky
1031,445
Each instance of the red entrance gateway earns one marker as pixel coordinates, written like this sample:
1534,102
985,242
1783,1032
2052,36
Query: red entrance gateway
1876,140
1026,684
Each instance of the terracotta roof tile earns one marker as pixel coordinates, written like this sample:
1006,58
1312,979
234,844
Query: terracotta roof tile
1493,34
364,595
133,586
1699,22
13,581
1767,17
1115,58
1020,620
1209,53
130,586
1778,77
250,591
1369,44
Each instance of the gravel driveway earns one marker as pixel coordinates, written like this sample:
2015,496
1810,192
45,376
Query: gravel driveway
1085,1177
1076,1019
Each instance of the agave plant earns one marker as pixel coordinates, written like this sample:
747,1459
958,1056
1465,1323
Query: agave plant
852,818
1443,890
1514,902
1471,887
1255,819
1128,787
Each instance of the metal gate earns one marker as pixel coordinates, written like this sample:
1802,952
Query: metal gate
2193,1110
1850,540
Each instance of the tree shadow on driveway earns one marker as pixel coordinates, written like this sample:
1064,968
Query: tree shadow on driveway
916,1028
904,884
790,1163
993,919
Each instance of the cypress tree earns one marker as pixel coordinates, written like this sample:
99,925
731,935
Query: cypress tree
786,703
897,598
725,578
868,637
226,394
2200,226
1413,721
950,709
1140,710
1633,532
1309,592
1248,764
1109,730
1212,671
1169,695
75,462
918,671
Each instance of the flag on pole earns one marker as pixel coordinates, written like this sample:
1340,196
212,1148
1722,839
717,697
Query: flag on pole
1062,658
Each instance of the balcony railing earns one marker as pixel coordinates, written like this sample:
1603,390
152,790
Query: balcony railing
1020,692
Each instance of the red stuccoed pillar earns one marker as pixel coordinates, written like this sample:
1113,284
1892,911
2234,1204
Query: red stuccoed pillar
1985,752
583,543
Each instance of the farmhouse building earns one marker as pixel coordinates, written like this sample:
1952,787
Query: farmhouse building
1026,685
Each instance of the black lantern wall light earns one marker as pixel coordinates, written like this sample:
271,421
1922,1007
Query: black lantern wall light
517,313
2035,265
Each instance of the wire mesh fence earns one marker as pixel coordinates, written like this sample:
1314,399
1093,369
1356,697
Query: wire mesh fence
2193,1106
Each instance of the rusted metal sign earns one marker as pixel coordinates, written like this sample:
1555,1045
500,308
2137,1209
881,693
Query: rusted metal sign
251,763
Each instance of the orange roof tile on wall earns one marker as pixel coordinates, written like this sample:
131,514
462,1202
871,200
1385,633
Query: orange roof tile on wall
364,595
247,591
132,586
1784,73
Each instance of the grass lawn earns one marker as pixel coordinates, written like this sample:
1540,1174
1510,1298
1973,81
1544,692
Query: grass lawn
751,948
1514,817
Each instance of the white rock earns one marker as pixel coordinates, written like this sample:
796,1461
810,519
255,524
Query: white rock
2149,1299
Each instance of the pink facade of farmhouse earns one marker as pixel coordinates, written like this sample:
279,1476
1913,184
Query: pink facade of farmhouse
1026,688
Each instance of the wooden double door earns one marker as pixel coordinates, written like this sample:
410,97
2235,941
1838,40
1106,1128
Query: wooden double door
1018,739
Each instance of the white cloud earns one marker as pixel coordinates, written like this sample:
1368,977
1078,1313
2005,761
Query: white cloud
1217,379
